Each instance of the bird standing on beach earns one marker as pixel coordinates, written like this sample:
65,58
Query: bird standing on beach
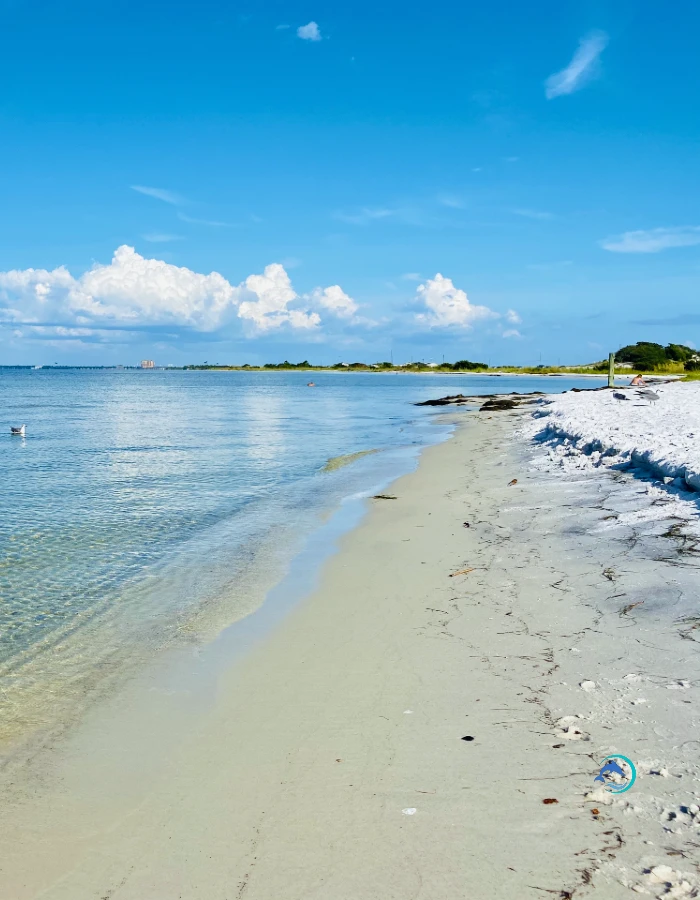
21,430
618,396
649,395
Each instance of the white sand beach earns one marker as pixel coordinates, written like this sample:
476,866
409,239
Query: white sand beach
427,724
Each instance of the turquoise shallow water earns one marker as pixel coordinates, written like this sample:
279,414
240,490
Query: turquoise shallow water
153,492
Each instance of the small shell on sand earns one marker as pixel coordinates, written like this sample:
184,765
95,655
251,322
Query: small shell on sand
598,796
588,686
570,728
410,811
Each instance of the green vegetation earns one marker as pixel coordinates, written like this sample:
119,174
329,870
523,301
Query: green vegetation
287,365
642,357
646,356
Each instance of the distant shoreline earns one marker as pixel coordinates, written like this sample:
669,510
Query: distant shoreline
364,370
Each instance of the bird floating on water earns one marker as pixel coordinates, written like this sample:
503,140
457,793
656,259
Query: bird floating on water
21,430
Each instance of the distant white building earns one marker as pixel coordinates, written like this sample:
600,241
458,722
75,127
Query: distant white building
147,364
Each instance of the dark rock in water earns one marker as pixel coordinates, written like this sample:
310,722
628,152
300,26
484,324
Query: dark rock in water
491,405
513,398
444,401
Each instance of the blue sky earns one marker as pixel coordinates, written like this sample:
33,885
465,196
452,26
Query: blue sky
248,182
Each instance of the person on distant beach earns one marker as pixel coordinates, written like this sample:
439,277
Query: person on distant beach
637,380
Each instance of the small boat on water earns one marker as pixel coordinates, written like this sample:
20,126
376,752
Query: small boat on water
21,430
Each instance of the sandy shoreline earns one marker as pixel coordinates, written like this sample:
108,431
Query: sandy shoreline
329,761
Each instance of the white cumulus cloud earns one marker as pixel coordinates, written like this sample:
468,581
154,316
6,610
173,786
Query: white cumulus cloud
335,300
270,295
448,306
134,292
652,241
581,69
513,317
310,32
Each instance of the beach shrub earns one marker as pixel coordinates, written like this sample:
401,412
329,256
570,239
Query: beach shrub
287,365
468,365
647,355
692,365
679,352
642,355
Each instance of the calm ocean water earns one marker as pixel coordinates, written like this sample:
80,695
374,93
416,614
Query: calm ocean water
139,497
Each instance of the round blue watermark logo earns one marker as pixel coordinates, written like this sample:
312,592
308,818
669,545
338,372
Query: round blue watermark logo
617,773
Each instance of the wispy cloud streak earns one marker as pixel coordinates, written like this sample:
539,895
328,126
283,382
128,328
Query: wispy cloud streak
532,213
158,194
581,69
212,223
652,241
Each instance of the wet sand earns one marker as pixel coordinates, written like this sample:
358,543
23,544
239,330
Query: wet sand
330,760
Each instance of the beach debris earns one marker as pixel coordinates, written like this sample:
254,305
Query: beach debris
511,483
678,685
588,686
630,606
410,811
339,760
558,746
408,712
461,572
493,405
466,524
468,737
609,574
384,497
595,811
548,800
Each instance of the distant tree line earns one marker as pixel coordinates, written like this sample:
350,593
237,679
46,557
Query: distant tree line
647,355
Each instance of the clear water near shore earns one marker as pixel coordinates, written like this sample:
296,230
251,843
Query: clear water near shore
138,499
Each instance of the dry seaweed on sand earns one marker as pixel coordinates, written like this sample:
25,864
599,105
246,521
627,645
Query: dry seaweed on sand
498,405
